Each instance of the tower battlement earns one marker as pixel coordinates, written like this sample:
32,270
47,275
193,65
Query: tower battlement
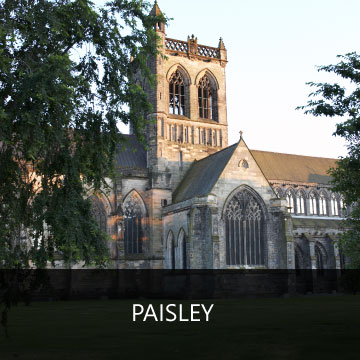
192,49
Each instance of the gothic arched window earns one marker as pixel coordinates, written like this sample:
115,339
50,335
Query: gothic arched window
312,204
180,252
300,203
290,202
177,94
170,251
244,227
133,209
99,213
207,99
334,206
278,192
322,205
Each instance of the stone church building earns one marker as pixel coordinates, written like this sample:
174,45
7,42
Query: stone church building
191,201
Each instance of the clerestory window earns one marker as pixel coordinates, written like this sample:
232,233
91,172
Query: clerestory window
300,203
290,202
334,206
312,204
322,205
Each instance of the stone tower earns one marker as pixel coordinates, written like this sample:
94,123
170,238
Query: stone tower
189,106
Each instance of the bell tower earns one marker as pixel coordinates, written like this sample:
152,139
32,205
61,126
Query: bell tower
189,120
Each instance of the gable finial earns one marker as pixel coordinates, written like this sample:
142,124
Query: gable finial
241,134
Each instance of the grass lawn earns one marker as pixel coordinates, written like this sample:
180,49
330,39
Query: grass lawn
317,327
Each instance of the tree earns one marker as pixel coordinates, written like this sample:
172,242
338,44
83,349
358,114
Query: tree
336,100
66,79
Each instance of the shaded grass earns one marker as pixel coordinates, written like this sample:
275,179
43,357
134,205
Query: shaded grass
321,327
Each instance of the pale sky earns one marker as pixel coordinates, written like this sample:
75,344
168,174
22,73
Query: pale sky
273,49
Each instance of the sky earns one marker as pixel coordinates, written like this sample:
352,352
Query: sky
273,49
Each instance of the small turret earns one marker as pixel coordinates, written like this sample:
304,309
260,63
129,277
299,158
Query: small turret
155,11
222,50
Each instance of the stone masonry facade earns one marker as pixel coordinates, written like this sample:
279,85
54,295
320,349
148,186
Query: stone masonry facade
193,202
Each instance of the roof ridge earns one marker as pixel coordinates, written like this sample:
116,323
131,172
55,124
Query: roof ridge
280,153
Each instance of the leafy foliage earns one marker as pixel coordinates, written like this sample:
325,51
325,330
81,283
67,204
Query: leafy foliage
66,79
335,100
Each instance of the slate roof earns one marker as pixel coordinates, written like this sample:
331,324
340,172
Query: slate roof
203,174
294,168
131,154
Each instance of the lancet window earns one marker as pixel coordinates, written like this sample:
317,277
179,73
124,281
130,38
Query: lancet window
334,206
99,213
322,205
133,224
300,203
207,99
312,204
290,202
244,228
176,94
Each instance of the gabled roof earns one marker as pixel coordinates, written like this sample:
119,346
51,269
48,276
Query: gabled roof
294,168
131,154
203,174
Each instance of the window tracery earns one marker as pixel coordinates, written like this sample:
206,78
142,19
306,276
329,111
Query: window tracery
334,206
300,203
244,227
133,224
322,205
290,202
207,99
177,94
312,204
278,192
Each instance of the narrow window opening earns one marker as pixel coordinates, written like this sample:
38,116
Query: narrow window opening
322,205
312,205
209,137
334,206
290,202
176,94
162,127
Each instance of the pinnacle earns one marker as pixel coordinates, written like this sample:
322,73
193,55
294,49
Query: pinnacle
155,10
221,44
